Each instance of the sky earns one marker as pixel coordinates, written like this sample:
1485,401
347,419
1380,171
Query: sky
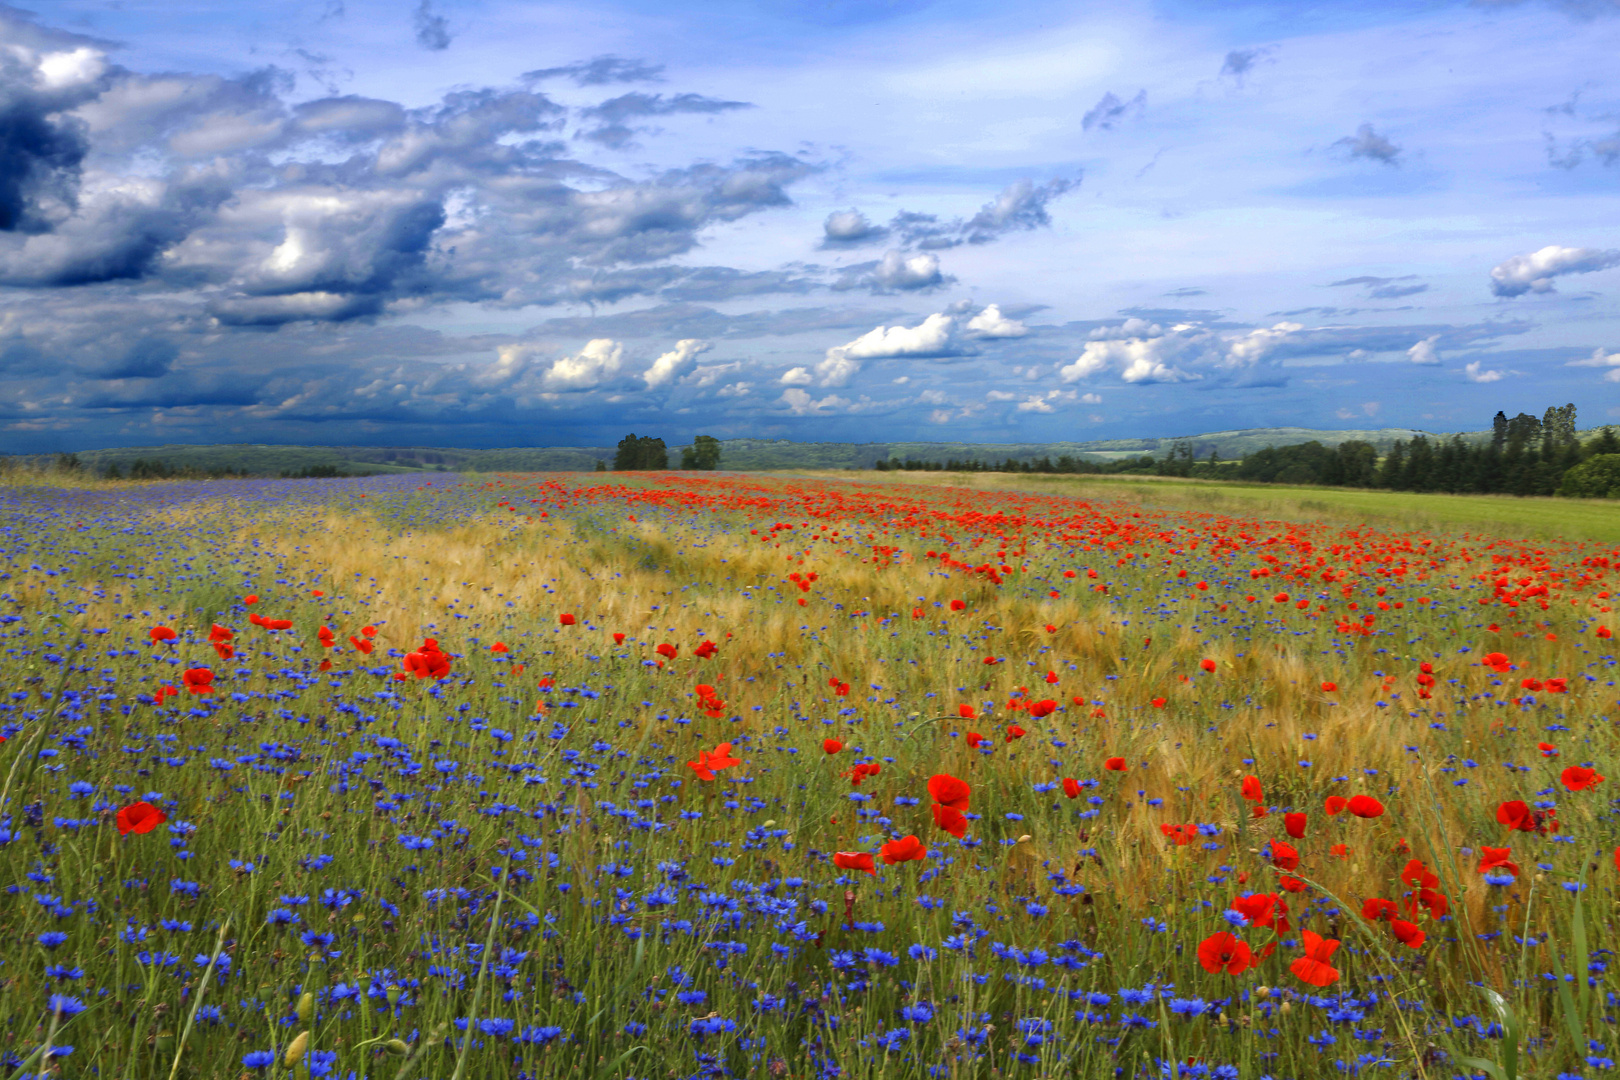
486,223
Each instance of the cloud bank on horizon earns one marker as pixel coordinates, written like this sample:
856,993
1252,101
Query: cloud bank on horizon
483,223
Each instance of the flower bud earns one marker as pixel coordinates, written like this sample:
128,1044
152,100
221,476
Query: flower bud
1262,992
397,1047
296,1049
306,1006
393,993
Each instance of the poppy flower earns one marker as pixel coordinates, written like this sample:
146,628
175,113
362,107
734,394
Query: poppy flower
1373,909
369,631
276,624
360,645
1207,665
1115,764
903,850
1547,749
1258,908
1181,835
1071,787
974,739
1225,952
854,860
428,662
1329,687
499,647
1252,791
141,817
832,746
948,791
1339,851
1604,632
1336,804
1497,858
1497,662
618,639
916,613
1408,934
706,650
1292,884
707,762
198,680
1015,732
1557,686
1284,856
1158,702
1313,967
218,633
250,598
1579,777
1040,709
1515,814
162,633
1365,806
1294,824
958,605
566,620
668,651
965,712
1051,678
951,820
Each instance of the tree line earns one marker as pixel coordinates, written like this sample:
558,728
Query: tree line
645,452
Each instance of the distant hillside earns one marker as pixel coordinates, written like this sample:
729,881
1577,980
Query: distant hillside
745,455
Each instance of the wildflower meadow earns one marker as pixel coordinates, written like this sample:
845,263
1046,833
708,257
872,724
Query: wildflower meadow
703,775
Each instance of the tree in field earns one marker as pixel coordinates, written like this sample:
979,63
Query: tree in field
640,452
1598,477
704,453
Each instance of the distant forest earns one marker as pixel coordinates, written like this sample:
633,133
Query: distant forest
1525,455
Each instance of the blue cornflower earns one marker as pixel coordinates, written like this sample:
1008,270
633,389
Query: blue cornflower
51,938
920,1013
65,1006
282,917
1189,1006
259,1059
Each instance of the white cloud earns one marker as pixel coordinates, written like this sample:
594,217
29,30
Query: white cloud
595,364
799,376
990,323
897,270
1035,404
1424,351
736,389
800,403
1474,373
934,338
940,416
1534,272
1091,399
1130,328
1256,345
1140,360
676,364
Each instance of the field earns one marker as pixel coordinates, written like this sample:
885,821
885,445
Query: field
706,775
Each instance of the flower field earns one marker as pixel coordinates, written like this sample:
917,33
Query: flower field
693,775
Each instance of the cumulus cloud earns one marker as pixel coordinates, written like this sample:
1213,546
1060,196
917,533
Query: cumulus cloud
849,228
990,323
1367,143
1475,372
1424,352
598,362
897,271
676,364
1137,360
1109,112
1601,358
1535,272
800,403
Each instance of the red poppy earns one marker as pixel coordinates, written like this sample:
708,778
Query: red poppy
1252,790
1051,678
951,820
1158,702
1497,858
1329,687
1225,952
1207,665
428,662
250,598
218,633
1557,686
499,647
832,746
948,791
1497,662
566,620
1416,874
1284,856
916,613
1071,787
1182,835
1339,851
974,739
198,680
1374,909
958,605
1604,632
1365,806
1408,934
141,817
1292,884
1313,967
360,645
854,860
903,850
369,631
618,639
1294,824
1579,777
162,633
1515,814
1336,804
276,624
1015,732
966,712
707,762
1040,709
1115,764
1261,909
668,651
706,650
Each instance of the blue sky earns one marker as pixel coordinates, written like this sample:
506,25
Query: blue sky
493,223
